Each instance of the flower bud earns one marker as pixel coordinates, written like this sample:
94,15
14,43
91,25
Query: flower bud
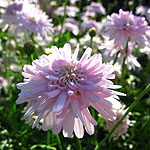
92,31
29,48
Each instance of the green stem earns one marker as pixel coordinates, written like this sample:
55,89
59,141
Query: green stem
26,36
48,138
124,116
91,42
59,142
123,65
79,147
116,58
36,43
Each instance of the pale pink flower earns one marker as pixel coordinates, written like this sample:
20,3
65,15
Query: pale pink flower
70,25
111,50
4,3
123,26
34,20
96,7
88,23
122,129
27,17
142,10
3,82
85,41
10,14
71,11
59,88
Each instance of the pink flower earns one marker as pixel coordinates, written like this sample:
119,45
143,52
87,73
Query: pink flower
96,7
123,127
142,10
59,88
88,23
10,14
112,49
27,17
34,20
3,82
70,25
71,11
125,25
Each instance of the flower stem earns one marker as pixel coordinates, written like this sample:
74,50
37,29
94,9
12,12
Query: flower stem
59,142
48,138
116,58
35,43
79,146
123,65
124,116
91,42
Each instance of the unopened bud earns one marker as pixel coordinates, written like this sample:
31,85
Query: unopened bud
29,48
92,31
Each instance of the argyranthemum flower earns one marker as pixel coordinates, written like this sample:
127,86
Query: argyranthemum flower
27,17
96,8
10,14
71,11
122,129
34,20
123,26
114,49
59,88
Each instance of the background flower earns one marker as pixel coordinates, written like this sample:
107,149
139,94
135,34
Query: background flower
123,26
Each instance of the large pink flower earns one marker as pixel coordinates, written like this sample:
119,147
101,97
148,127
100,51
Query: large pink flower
59,89
125,25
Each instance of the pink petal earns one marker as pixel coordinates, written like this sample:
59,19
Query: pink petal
88,126
92,97
59,105
85,56
68,125
77,111
53,93
74,56
89,117
48,121
78,128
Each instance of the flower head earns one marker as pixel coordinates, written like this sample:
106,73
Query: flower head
96,7
59,88
70,25
123,26
27,17
34,20
113,50
71,11
123,127
10,14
